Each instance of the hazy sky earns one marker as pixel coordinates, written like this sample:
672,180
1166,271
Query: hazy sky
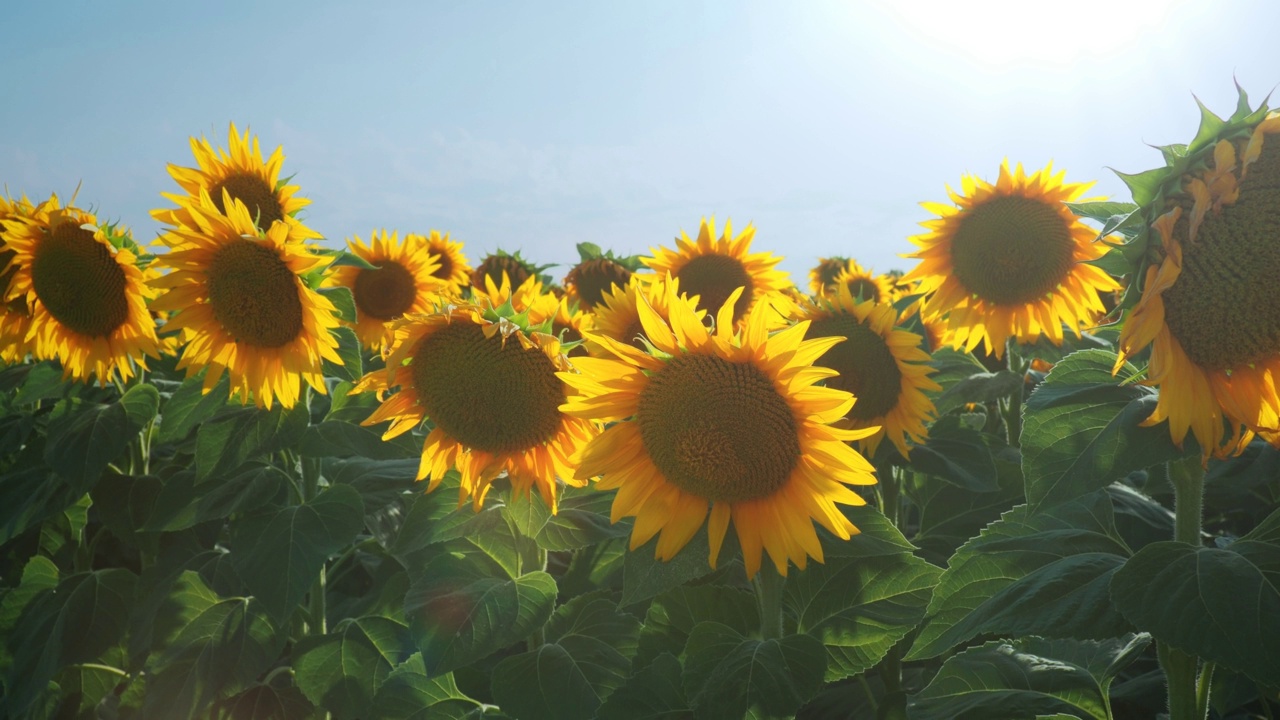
537,126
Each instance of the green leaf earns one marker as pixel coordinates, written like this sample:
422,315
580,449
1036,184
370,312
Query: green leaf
644,576
1143,186
342,671
1101,210
266,702
654,693
409,694
223,645
1139,519
860,608
1210,127
980,387
342,258
432,518
1081,430
1220,604
279,554
254,487
62,534
379,482
582,520
1025,678
78,621
726,674
876,537
1045,574
84,437
352,367
455,622
190,405
38,575
343,300
241,434
335,438
958,455
124,502
43,382
587,654
673,615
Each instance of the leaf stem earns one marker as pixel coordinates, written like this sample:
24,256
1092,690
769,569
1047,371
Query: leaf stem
768,584
1187,477
1203,688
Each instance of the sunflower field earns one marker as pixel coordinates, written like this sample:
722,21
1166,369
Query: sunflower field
247,475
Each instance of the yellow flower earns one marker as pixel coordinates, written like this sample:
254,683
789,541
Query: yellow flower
406,281
491,392
239,293
721,426
241,174
15,317
618,317
712,268
823,275
85,293
881,364
1208,308
863,284
1008,260
453,267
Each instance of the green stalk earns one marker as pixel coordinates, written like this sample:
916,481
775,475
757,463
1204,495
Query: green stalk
1187,477
1013,413
768,585
539,636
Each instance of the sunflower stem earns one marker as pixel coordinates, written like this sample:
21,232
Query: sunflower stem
1013,414
768,584
539,636
1187,477
316,610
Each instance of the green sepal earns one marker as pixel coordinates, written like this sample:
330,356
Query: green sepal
591,251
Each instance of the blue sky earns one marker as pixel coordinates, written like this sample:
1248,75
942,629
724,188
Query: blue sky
534,127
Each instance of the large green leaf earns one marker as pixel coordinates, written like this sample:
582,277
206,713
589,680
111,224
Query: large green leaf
644,576
958,455
78,621
1081,429
279,554
726,674
673,615
352,366
190,405
40,574
1221,604
582,519
409,694
243,433
338,438
1045,574
181,503
1013,680
860,607
266,702
342,671
654,693
586,655
124,502
980,387
222,646
84,437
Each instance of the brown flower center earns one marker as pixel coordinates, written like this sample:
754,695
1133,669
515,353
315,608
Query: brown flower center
718,429
1012,250
1223,308
714,278
79,282
255,193
866,365
829,269
445,271
596,278
489,396
864,289
385,293
254,295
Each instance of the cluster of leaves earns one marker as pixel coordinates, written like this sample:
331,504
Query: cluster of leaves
165,553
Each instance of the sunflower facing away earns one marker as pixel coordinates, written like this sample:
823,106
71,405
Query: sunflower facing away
598,273
618,317
712,268
85,293
515,267
15,318
491,392
405,282
240,295
1208,307
730,425
242,174
1007,260
822,275
453,267
881,364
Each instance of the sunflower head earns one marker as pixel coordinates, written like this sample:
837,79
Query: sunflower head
720,426
880,363
15,316
452,266
240,294
1203,264
516,268
597,274
237,174
862,284
713,268
446,364
404,281
823,275
618,317
86,294
1009,260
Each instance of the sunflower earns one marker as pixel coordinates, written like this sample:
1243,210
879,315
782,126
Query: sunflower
453,267
240,294
242,175
529,299
714,267
405,281
880,363
83,289
15,317
596,275
495,265
1009,260
863,284
491,392
732,423
822,275
618,317
1207,306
